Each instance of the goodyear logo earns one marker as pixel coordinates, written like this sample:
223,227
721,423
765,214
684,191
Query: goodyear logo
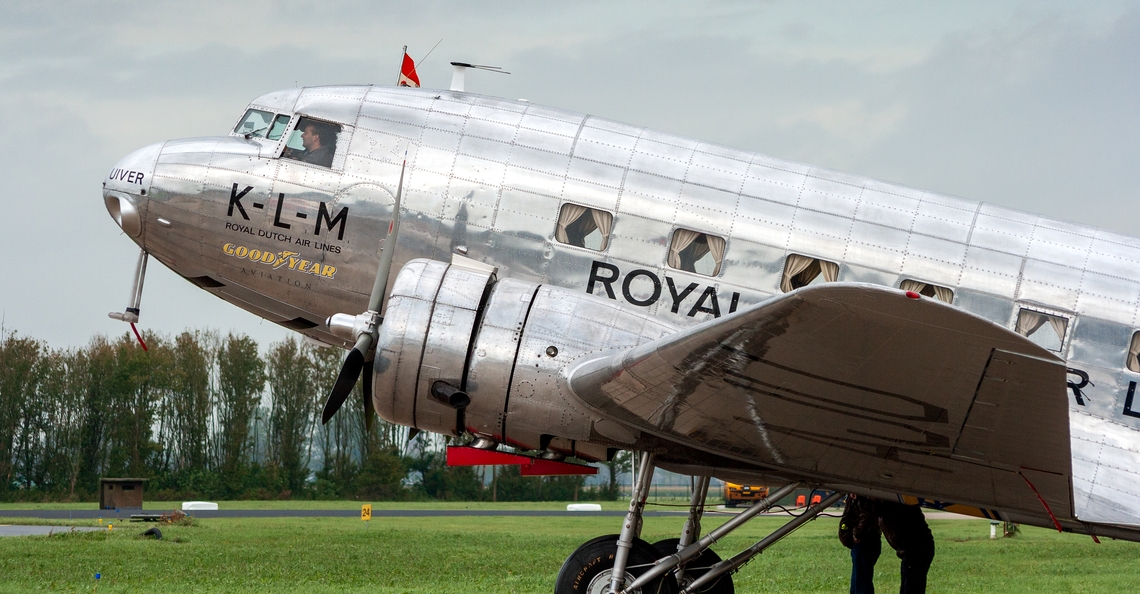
280,260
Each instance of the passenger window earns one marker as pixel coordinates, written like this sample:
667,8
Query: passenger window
254,124
801,271
278,127
697,252
1045,330
1133,362
940,293
312,141
584,227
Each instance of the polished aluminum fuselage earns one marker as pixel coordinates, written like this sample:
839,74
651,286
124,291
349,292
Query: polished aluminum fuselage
486,177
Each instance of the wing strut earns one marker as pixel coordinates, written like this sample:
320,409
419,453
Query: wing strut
745,556
692,551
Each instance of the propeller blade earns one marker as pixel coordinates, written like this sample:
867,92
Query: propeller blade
369,408
346,380
380,285
354,362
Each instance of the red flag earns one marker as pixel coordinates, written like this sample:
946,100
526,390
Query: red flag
408,76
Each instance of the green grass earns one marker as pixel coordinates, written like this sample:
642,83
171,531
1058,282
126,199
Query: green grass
518,554
674,504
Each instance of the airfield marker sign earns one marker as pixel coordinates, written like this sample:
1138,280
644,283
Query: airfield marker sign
366,512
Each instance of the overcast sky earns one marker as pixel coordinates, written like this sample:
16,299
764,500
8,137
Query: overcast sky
1030,105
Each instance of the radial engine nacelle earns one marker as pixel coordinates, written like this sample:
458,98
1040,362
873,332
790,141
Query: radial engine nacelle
509,345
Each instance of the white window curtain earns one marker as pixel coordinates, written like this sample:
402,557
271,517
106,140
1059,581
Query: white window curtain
1059,324
940,293
801,270
1134,354
716,246
1028,321
569,214
830,270
604,221
912,285
795,265
681,240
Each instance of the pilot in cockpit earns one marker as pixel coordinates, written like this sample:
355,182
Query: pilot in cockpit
318,140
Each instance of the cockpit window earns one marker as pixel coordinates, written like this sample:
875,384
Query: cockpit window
312,141
255,123
278,128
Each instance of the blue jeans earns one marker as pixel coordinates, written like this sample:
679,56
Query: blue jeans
864,555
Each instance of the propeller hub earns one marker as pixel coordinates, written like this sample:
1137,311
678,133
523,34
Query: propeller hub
350,327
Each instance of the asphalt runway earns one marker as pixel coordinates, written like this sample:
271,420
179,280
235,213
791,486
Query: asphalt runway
68,514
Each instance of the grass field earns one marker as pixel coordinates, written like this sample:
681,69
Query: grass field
321,504
517,554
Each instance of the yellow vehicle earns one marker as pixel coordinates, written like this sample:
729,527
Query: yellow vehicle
735,494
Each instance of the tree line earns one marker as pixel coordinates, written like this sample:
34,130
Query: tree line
201,415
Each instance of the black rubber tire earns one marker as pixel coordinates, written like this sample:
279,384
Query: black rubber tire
698,566
155,532
597,556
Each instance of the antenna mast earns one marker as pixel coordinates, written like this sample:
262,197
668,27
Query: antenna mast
400,70
459,75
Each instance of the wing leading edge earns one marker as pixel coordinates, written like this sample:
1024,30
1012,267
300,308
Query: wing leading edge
853,384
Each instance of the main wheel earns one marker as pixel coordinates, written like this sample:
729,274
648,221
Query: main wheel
588,570
695,568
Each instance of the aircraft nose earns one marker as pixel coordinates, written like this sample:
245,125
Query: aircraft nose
126,186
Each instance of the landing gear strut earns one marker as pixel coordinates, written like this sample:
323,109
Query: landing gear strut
695,568
590,568
610,563
625,564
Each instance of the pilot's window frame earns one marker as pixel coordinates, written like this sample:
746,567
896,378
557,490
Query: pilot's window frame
689,247
577,228
239,127
284,127
281,142
1025,325
801,270
1132,361
931,290
284,151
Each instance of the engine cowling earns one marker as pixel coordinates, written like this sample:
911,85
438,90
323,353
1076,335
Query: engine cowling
506,343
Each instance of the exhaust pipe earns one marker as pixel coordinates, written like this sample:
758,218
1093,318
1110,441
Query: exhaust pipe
450,395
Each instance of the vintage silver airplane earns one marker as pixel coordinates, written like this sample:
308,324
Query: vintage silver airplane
574,286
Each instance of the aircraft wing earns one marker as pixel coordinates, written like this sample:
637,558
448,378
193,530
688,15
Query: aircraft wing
854,384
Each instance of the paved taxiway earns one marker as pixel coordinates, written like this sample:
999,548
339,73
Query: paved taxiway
68,514
79,514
